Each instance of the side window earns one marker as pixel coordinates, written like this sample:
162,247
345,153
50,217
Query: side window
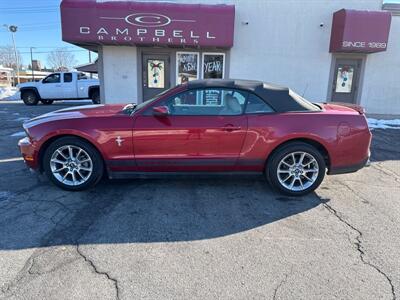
67,77
209,102
82,76
52,78
256,105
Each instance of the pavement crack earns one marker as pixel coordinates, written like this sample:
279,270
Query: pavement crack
279,286
97,271
358,244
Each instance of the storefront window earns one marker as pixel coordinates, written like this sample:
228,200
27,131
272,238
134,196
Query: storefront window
155,74
187,66
344,79
213,65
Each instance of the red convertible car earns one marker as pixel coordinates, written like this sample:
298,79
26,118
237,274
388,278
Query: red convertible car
204,126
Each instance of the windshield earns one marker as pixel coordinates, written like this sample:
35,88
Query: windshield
131,108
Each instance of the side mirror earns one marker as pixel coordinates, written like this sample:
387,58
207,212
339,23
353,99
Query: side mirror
160,111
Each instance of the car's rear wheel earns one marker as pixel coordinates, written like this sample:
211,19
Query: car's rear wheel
296,169
47,101
29,98
72,164
96,97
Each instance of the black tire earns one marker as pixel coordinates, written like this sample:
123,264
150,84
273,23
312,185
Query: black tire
97,163
96,96
47,101
282,152
29,98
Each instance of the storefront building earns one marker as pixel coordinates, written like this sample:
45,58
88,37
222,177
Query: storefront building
343,50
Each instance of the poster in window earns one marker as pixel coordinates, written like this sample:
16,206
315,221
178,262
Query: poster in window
213,66
155,74
212,97
344,79
187,67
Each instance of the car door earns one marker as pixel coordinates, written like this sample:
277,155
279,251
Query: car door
203,130
69,86
51,87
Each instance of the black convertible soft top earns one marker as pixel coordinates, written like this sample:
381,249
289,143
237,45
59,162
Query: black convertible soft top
282,99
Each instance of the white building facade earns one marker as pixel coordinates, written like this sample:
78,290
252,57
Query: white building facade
342,50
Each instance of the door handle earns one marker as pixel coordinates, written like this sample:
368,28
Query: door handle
231,128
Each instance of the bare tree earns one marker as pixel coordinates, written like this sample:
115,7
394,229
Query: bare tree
7,57
61,59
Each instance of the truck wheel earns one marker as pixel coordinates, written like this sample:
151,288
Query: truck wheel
296,169
73,164
96,97
47,101
30,98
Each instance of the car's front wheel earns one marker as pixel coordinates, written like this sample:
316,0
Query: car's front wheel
29,98
296,169
72,164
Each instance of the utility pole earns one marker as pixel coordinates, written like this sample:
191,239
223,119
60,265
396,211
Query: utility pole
13,30
33,73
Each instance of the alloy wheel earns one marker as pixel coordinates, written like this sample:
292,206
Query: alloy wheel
297,171
71,165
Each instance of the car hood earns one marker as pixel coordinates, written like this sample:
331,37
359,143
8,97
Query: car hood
77,112
28,84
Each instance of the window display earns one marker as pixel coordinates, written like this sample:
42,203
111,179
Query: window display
187,66
213,65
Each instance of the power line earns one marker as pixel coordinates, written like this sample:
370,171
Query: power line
42,52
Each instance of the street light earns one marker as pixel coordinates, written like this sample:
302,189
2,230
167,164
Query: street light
13,30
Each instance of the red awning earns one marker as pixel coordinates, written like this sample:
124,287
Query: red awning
89,22
360,31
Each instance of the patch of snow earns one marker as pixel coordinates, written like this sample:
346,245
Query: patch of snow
9,93
383,124
20,133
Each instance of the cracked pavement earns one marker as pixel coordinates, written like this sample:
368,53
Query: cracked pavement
198,238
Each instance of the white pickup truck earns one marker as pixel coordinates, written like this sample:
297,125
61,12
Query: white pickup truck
60,86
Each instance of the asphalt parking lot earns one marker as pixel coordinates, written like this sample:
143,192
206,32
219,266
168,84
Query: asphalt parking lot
198,238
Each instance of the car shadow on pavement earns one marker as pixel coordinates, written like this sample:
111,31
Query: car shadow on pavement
385,144
143,211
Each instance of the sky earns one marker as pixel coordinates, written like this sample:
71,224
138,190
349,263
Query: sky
39,26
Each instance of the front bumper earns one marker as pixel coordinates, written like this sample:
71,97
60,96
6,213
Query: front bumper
28,152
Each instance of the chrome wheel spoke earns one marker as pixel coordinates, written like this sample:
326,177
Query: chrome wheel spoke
308,178
310,162
70,152
62,154
80,174
302,158
57,161
283,171
60,169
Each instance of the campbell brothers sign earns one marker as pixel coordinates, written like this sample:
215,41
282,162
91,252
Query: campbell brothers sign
360,31
147,23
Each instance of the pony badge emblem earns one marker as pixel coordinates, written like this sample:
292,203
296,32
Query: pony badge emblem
119,141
